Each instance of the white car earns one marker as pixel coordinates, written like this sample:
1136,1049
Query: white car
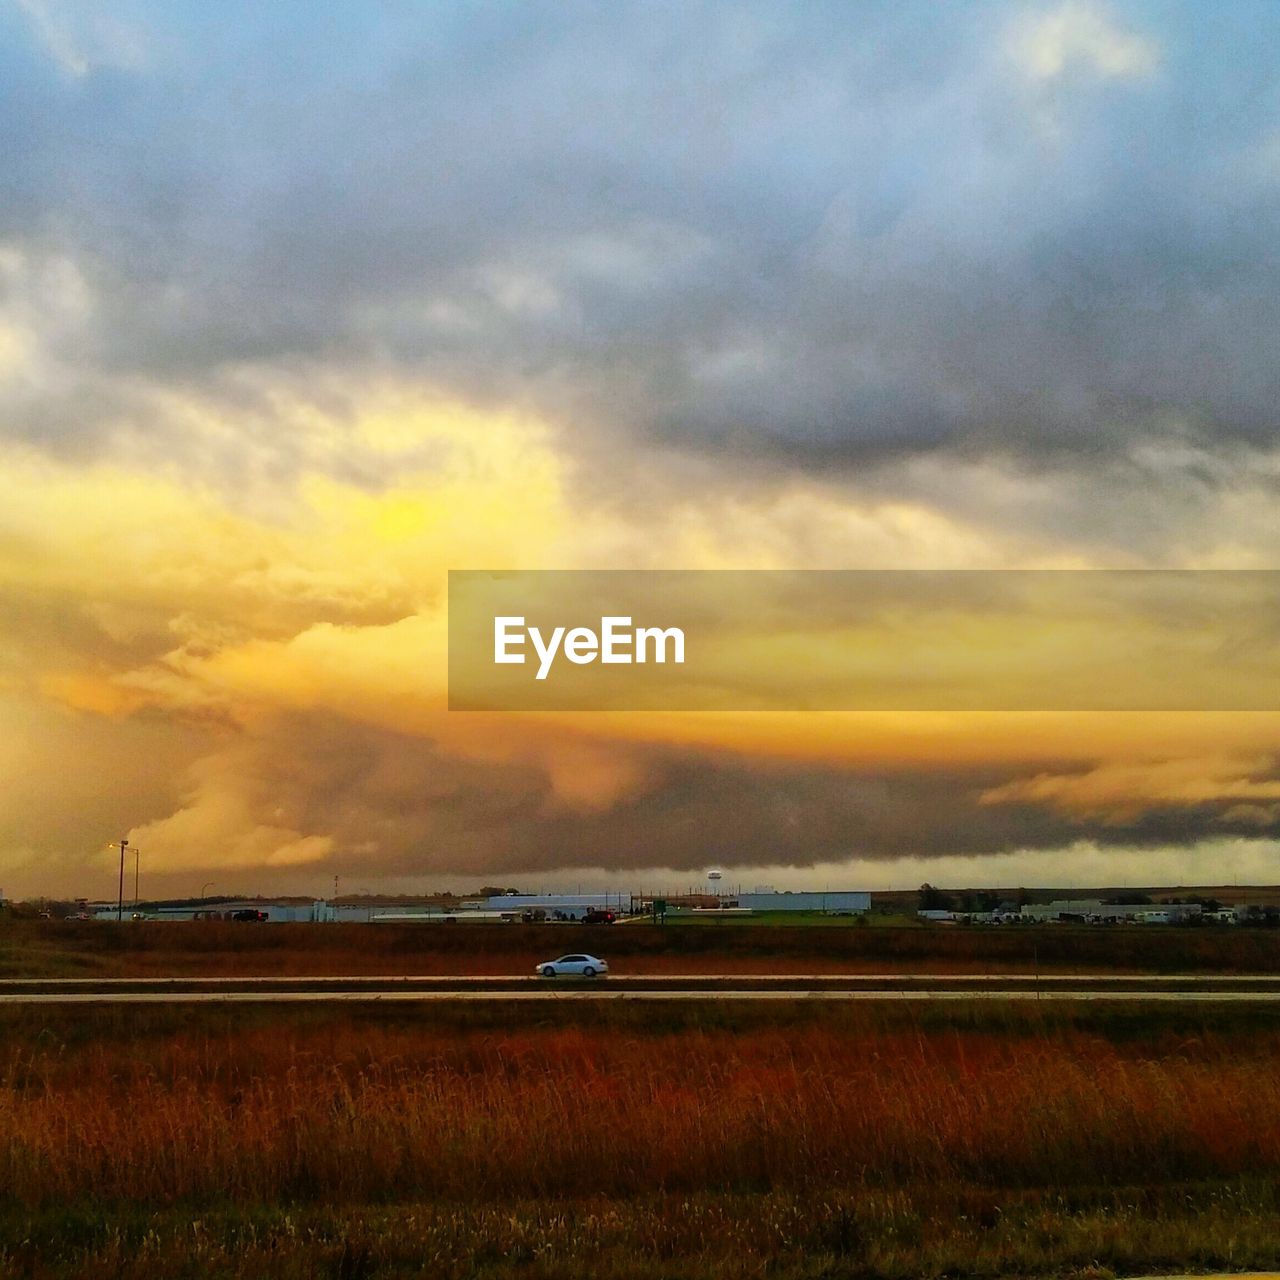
577,966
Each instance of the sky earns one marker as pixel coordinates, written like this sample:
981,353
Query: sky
301,308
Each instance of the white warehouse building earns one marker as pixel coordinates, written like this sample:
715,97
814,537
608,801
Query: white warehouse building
824,901
1095,909
564,906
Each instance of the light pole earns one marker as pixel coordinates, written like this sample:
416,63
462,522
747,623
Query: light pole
120,901
135,877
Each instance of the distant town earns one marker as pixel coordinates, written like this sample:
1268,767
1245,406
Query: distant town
1249,905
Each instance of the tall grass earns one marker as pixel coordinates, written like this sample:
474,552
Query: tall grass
342,1110
134,949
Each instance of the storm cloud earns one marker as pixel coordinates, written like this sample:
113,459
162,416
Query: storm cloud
302,307
824,234
315,793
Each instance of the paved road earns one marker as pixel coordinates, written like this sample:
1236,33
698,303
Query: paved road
605,993
1252,988
1152,981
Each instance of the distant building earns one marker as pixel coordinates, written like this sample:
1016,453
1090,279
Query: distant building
369,910
842,900
1065,909
1096,909
560,906
305,910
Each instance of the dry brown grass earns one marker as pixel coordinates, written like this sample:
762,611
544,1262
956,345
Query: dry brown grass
633,1144
357,1112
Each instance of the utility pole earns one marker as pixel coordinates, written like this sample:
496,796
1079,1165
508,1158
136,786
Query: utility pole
120,902
135,877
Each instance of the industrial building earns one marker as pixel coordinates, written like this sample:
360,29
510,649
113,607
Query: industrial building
1095,909
840,901
372,910
305,910
513,907
562,906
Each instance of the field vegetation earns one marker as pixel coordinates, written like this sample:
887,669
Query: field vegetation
215,948
700,1142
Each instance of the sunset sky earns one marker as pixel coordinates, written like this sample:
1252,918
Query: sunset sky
303,306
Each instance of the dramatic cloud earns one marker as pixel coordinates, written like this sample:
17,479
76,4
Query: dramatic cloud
313,791
824,232
301,308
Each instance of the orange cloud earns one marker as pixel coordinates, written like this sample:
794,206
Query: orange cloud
1119,790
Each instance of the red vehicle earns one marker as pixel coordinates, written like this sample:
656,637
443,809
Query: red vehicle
600,917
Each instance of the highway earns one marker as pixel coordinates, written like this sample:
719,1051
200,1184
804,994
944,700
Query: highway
606,993
657,979
1164,988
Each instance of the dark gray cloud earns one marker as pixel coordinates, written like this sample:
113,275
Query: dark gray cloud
824,233
398,806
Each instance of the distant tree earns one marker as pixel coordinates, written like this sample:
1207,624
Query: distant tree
979,900
932,899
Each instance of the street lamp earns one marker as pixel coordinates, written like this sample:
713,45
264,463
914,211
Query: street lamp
124,844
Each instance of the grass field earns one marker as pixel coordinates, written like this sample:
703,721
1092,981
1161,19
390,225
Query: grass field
710,1142
101,949
722,1142
795,919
